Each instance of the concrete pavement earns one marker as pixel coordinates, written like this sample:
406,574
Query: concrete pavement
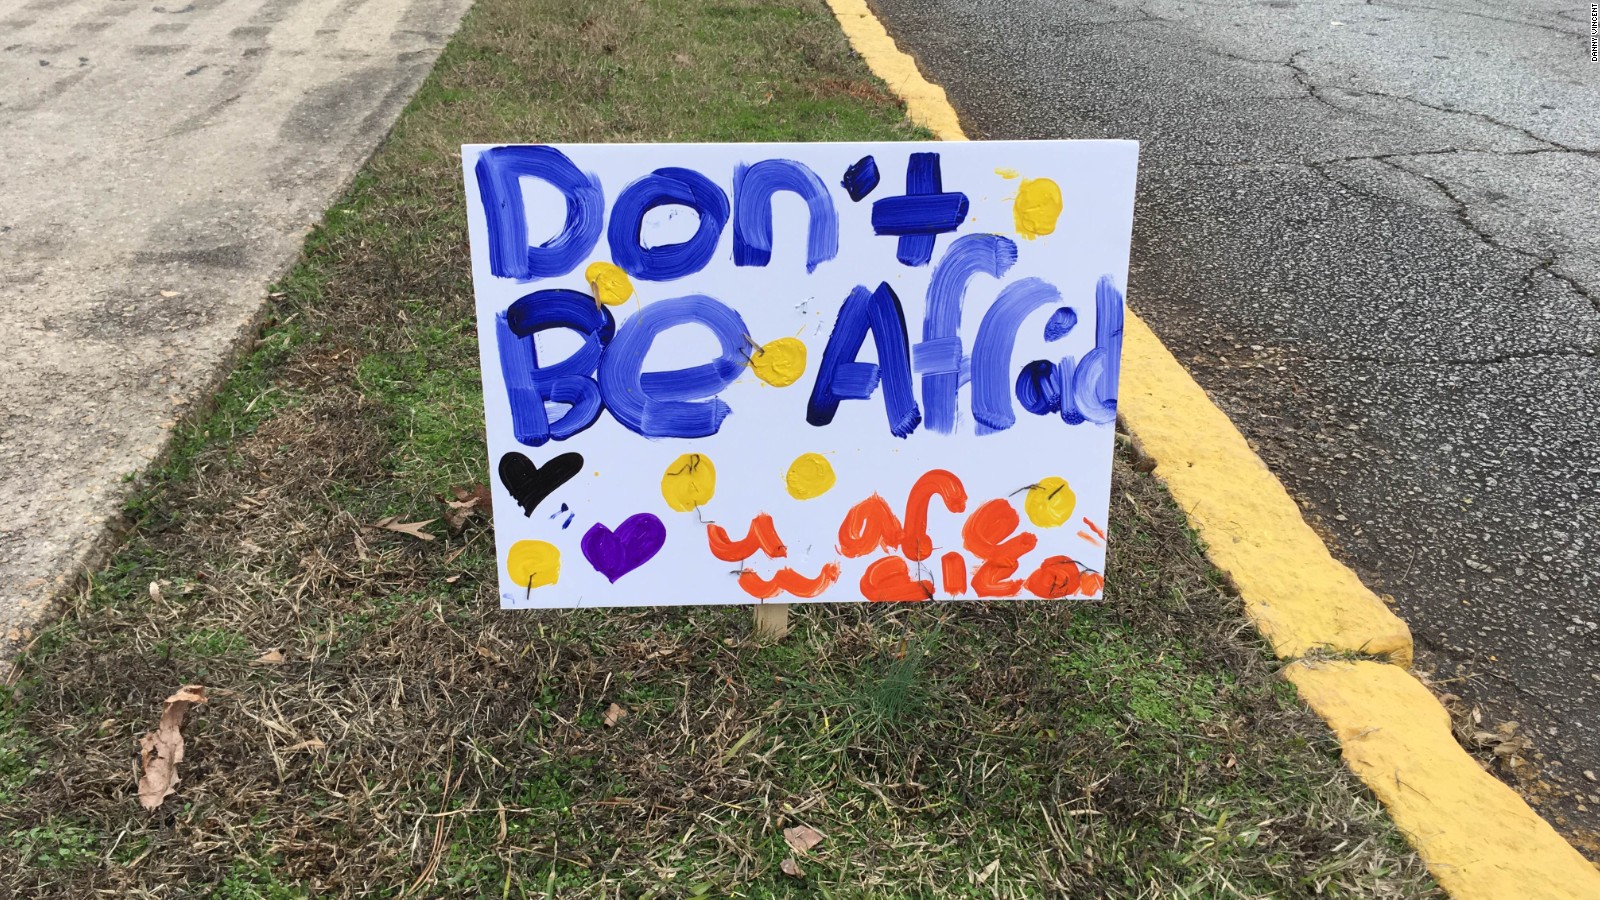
1367,231
163,161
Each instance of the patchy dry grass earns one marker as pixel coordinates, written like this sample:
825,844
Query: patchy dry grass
418,741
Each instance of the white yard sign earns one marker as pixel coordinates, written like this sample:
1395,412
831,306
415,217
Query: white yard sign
735,373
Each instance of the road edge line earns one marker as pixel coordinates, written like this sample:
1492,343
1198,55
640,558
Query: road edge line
1478,837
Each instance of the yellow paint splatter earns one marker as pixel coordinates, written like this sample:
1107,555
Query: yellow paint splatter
1050,502
1037,207
689,482
810,475
610,284
1008,173
780,363
533,564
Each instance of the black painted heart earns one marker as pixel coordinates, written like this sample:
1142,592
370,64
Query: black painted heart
529,484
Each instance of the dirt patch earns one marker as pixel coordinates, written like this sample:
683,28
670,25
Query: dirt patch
866,91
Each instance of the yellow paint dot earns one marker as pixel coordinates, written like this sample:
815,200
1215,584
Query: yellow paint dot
689,482
1050,502
1037,207
780,363
611,285
1008,173
810,475
533,564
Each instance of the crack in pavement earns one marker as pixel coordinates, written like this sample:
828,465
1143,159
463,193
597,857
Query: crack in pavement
1487,151
1499,358
1316,92
1320,93
1543,262
1389,4
1381,157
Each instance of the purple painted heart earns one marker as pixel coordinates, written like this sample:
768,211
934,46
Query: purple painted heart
616,553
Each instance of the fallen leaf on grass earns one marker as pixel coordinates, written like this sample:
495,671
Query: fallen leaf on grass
469,501
988,871
273,657
615,714
791,868
155,591
161,750
802,837
393,523
312,744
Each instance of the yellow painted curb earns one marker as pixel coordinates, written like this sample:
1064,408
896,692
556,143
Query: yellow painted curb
926,104
1479,839
1298,595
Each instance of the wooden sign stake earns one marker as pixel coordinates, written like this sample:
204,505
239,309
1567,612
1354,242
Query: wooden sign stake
772,621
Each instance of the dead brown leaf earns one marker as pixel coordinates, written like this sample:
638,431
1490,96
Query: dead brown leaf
312,744
615,714
273,657
393,523
161,750
482,495
471,501
791,868
802,837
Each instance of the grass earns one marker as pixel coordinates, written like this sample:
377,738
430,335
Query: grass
417,741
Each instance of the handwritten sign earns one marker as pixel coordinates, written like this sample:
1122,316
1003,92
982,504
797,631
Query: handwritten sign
740,373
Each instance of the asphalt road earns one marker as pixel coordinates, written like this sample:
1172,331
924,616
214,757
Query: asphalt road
163,160
1370,232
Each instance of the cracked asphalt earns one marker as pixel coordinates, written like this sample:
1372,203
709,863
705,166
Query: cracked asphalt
1368,229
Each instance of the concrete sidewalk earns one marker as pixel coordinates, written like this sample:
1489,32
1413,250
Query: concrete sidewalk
163,163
